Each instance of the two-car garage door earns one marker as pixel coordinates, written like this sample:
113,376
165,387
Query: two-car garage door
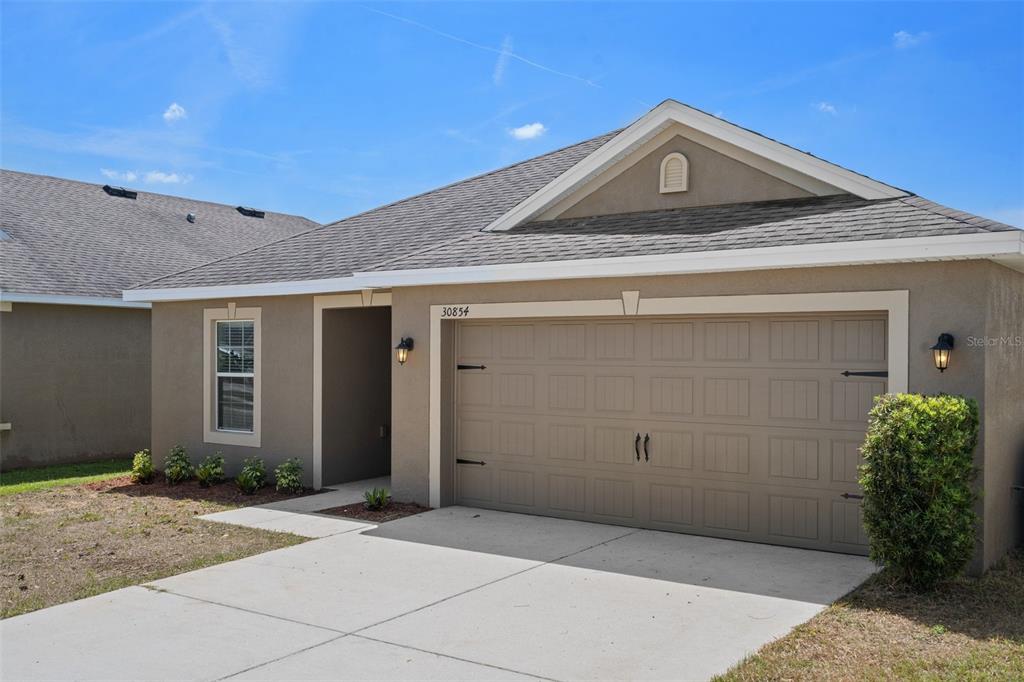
734,427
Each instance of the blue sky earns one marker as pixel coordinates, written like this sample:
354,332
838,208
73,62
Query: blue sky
329,109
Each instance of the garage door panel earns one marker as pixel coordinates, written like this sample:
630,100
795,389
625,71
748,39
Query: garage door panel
747,429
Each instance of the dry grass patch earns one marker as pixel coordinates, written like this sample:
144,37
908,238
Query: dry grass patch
968,629
67,543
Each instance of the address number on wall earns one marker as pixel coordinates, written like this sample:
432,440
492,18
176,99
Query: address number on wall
455,311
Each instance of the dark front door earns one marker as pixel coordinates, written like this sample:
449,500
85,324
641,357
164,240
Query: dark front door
356,394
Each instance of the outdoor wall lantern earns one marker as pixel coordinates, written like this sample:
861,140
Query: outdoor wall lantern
403,348
941,351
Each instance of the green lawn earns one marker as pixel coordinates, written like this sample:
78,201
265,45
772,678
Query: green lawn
41,478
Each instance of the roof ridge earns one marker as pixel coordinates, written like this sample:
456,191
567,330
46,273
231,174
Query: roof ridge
142,191
473,177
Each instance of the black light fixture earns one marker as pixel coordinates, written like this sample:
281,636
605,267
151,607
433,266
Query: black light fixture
402,349
941,351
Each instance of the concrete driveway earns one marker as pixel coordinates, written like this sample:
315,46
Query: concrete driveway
455,593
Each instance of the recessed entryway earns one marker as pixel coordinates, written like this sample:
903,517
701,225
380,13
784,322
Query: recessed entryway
356,394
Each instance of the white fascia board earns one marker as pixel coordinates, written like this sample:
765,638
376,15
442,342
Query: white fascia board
1005,247
53,299
664,115
312,286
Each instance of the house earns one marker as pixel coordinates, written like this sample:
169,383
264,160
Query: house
679,325
75,357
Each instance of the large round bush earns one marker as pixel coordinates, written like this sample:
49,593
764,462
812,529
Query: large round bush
917,478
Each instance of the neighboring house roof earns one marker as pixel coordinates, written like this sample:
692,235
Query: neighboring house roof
487,228
419,222
72,239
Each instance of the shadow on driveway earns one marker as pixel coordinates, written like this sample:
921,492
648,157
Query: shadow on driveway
784,572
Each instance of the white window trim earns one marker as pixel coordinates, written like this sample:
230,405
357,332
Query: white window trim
211,434
365,298
665,189
895,303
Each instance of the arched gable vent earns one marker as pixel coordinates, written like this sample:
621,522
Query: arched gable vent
675,173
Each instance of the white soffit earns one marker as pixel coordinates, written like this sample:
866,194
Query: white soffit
671,118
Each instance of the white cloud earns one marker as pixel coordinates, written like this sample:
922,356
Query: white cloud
121,176
905,39
528,131
160,177
499,67
826,108
175,112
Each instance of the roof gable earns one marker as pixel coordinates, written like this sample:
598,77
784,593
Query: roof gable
671,118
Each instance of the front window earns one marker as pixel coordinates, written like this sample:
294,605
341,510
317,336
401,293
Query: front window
235,375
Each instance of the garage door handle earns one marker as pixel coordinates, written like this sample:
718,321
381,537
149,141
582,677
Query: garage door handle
647,439
636,446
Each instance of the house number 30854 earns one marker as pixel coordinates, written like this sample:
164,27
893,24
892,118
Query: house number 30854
455,311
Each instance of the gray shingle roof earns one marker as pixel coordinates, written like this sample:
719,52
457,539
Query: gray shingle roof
71,238
442,228
841,218
406,226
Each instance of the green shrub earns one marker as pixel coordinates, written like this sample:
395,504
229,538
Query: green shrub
917,474
253,475
211,470
177,468
142,467
377,498
288,476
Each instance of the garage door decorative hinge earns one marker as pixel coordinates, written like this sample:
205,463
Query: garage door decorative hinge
852,496
882,373
471,367
470,461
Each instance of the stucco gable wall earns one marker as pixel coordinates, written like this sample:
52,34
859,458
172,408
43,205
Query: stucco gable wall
714,179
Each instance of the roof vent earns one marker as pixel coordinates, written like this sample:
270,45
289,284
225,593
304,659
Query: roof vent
675,171
191,217
4,237
250,212
120,192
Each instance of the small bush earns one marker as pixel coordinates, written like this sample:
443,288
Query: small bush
211,470
253,476
142,467
288,476
177,468
917,474
377,498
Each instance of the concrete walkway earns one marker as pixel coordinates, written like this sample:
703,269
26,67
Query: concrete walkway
455,593
299,514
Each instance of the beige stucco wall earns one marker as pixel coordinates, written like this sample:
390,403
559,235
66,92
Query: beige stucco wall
714,179
1003,348
963,298
74,383
287,381
944,297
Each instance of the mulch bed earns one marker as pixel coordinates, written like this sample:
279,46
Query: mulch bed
226,493
394,510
